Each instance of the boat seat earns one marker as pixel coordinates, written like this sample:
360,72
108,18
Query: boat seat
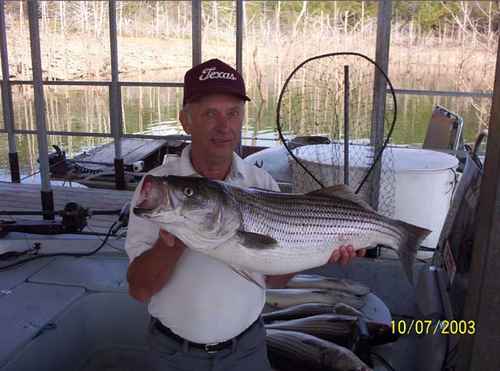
444,131
442,286
457,234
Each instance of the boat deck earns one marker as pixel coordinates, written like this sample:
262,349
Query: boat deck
71,304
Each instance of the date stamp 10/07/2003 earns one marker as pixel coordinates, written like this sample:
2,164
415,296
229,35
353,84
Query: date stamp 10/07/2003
433,327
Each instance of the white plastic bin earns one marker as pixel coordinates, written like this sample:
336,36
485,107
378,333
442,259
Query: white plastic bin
425,181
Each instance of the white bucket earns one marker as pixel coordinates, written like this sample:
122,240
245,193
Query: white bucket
423,180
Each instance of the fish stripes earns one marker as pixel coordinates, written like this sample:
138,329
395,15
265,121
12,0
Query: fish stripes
271,232
295,350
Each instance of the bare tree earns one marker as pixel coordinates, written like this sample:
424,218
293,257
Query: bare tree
299,17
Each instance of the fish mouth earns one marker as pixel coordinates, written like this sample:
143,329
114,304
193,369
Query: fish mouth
153,195
142,211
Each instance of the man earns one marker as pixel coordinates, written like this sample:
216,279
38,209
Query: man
204,315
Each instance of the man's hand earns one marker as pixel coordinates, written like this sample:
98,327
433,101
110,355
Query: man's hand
169,240
150,271
344,254
278,281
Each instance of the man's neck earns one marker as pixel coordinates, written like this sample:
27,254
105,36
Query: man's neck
210,168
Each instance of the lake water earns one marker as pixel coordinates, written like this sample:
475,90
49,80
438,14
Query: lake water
154,111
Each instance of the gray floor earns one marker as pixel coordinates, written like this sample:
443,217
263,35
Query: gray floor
75,314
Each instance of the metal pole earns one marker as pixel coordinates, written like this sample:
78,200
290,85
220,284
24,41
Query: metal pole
8,111
239,35
346,125
239,49
115,101
196,31
379,91
36,64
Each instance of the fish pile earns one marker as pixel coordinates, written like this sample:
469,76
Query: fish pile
313,327
321,282
254,230
284,298
306,288
298,352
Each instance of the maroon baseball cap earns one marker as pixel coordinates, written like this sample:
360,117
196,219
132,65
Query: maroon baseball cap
212,77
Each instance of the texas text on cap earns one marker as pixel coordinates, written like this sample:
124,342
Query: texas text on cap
212,77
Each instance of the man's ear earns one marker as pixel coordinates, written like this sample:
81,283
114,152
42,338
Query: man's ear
185,122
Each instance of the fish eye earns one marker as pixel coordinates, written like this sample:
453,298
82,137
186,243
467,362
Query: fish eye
188,192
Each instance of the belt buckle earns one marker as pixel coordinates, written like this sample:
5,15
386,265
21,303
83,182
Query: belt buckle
207,348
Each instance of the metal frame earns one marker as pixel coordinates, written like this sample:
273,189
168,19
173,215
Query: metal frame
115,86
483,298
443,93
240,6
115,100
196,31
41,128
116,120
346,124
8,110
379,92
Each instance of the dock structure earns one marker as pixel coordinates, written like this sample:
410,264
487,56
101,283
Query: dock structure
63,280
22,197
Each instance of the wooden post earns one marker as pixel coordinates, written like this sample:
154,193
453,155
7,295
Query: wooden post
482,303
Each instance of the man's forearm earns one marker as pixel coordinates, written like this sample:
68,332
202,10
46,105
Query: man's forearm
150,271
278,282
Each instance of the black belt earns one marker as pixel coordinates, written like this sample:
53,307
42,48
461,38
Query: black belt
209,348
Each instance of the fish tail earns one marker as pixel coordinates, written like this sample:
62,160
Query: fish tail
408,249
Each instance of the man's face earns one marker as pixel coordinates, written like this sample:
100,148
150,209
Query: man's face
215,124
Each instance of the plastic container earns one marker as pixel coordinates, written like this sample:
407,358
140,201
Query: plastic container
416,184
425,181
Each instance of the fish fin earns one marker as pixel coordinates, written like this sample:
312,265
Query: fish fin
246,276
255,240
408,250
344,192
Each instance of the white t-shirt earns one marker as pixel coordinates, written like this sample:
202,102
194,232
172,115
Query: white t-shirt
204,301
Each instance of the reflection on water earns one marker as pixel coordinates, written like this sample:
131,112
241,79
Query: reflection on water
154,111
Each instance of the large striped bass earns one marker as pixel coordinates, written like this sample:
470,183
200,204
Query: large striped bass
290,350
270,232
